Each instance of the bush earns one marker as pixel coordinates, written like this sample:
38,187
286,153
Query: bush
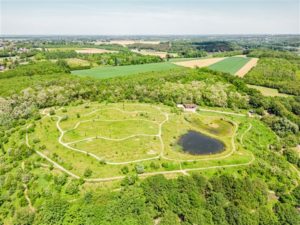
139,168
87,173
72,188
52,112
125,169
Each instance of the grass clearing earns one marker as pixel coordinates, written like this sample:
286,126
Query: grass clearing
272,92
74,62
107,137
103,72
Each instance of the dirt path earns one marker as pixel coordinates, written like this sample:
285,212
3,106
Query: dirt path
246,131
199,62
246,68
221,112
32,209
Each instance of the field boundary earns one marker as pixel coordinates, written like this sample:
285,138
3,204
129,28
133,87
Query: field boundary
247,67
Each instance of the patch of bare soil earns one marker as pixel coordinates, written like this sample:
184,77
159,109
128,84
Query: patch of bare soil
94,51
199,62
246,68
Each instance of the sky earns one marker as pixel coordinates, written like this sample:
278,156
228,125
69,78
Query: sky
149,17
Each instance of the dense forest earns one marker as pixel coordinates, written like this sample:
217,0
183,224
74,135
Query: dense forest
275,69
222,200
114,59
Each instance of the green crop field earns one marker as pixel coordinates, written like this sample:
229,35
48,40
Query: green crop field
102,72
230,65
106,137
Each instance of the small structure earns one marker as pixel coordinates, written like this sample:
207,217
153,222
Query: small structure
188,107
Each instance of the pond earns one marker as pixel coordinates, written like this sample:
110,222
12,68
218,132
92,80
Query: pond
196,143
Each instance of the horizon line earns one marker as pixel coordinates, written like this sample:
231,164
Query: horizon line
209,34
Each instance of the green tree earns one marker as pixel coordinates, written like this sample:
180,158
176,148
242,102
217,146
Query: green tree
169,218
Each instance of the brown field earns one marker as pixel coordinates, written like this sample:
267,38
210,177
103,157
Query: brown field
93,51
240,56
127,42
245,69
199,62
154,53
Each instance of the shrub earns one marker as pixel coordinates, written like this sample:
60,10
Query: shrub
87,173
139,168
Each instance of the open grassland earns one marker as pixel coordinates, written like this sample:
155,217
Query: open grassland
105,138
102,72
230,65
75,62
272,92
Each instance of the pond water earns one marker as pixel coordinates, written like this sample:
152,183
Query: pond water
196,143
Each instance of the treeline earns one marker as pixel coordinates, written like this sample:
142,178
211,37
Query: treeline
216,46
221,200
120,58
114,59
183,49
40,68
267,53
228,54
162,47
56,54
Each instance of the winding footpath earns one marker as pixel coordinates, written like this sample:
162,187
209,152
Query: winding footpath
32,209
159,135
100,159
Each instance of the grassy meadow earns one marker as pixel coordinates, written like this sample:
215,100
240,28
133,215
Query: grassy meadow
272,92
103,72
129,134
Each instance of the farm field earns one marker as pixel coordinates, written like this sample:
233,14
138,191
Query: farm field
233,65
103,72
155,53
94,51
75,62
198,62
247,67
230,65
272,92
236,65
126,42
106,137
